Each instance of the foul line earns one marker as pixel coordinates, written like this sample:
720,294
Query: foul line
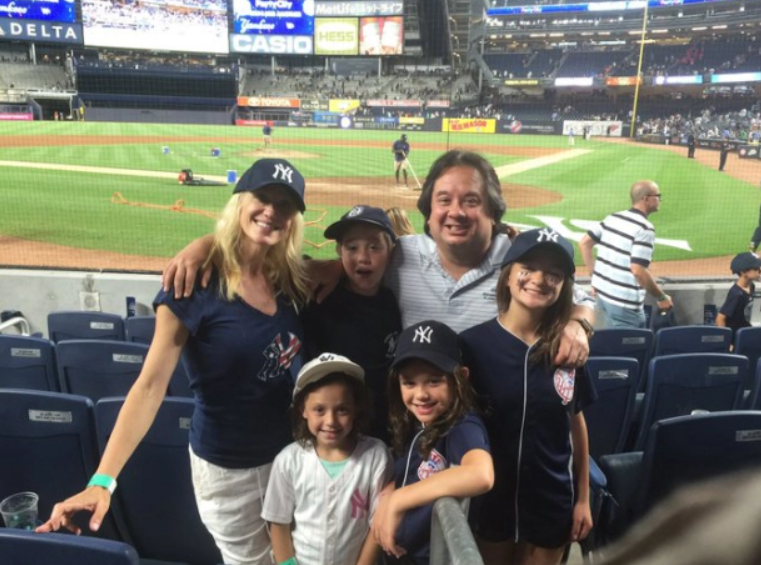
101,170
523,166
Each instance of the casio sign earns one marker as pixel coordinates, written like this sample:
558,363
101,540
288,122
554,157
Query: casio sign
278,44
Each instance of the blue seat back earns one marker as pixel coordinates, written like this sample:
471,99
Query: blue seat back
139,329
624,342
748,343
28,363
616,380
692,339
155,493
679,384
49,446
84,325
99,368
19,547
692,448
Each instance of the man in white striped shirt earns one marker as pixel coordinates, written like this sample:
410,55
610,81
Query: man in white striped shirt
621,275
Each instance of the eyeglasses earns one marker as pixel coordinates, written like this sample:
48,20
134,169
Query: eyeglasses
659,196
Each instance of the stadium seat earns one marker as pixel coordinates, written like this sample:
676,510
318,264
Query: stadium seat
155,495
99,368
84,325
49,446
27,363
753,402
692,339
623,342
139,329
19,547
677,385
679,451
748,343
616,380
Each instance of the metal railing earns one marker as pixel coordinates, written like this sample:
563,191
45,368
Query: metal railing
452,541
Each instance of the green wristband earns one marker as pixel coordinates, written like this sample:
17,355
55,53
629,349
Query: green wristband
103,481
289,561
663,297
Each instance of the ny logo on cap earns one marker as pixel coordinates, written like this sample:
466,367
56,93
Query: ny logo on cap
423,334
283,173
356,211
326,357
546,234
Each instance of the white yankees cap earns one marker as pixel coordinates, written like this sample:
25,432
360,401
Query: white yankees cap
324,365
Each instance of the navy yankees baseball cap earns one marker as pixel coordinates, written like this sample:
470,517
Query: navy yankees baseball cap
324,365
430,341
745,261
361,213
267,172
537,238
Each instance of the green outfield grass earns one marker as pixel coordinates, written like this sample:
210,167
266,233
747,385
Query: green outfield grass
713,212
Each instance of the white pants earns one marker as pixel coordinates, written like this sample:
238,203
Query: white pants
230,504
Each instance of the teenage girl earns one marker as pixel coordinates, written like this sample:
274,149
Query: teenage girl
324,487
442,444
540,500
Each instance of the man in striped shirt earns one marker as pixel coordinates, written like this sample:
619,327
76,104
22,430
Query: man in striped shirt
620,275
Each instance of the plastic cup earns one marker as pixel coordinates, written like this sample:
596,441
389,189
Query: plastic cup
20,510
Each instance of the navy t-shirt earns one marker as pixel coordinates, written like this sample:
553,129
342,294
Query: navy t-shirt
401,149
414,533
364,329
738,307
238,360
528,414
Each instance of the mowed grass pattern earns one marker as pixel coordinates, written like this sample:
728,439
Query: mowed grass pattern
713,212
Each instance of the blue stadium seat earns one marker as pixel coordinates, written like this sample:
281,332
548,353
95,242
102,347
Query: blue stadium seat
679,384
609,419
19,547
84,325
624,342
49,446
27,363
748,343
139,329
692,339
155,494
753,402
99,368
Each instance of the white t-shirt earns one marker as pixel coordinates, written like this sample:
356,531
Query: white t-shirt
331,517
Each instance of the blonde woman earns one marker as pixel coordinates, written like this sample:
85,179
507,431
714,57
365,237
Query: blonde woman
239,335
400,221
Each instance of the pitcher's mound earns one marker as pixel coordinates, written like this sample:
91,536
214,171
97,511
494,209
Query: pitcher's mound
279,154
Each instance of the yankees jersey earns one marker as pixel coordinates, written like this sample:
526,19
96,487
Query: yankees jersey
237,359
738,307
414,533
331,517
364,329
529,409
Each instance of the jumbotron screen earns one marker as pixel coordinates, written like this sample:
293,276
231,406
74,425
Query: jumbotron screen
42,10
198,26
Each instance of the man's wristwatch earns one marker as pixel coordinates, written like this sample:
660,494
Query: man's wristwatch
586,326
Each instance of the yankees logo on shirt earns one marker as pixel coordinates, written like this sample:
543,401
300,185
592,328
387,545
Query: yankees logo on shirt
434,464
279,358
565,377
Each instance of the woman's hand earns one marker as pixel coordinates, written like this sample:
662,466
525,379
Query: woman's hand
93,499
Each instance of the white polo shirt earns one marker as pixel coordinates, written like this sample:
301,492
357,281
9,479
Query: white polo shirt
426,291
331,516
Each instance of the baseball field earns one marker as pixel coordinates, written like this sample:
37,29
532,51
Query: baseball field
106,196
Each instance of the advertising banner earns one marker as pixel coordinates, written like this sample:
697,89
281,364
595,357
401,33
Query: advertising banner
240,122
314,105
604,128
622,81
381,36
437,104
574,81
336,36
394,103
687,79
50,32
411,121
271,44
749,152
521,82
515,127
16,117
273,17
42,10
342,106
358,8
470,125
262,102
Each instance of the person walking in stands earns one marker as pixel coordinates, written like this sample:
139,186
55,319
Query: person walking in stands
621,275
448,273
726,147
267,135
360,319
325,486
441,444
690,145
540,500
401,149
240,336
736,311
